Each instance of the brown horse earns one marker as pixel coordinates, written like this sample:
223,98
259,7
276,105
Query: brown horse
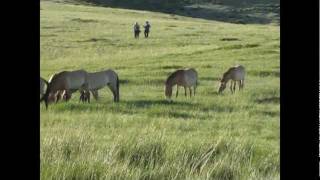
235,74
64,84
99,80
187,78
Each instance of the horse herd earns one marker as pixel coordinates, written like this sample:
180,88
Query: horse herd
62,85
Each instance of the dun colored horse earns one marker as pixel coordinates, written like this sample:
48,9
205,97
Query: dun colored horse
235,74
65,83
99,80
187,78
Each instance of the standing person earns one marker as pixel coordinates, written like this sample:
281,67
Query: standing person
146,29
136,29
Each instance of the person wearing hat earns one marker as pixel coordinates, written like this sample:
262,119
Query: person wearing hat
146,29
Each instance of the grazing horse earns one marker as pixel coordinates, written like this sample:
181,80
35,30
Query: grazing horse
59,94
43,86
187,78
99,80
65,83
236,73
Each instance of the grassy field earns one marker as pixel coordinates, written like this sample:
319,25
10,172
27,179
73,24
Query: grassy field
209,136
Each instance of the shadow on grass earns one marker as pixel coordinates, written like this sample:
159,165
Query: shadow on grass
84,20
48,35
239,46
264,73
206,66
148,103
93,106
171,67
229,39
182,115
275,100
219,108
98,40
217,79
180,110
49,27
269,113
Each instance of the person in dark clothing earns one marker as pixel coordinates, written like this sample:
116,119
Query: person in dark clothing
146,29
136,29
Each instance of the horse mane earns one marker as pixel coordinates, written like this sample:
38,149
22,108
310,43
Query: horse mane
227,73
172,76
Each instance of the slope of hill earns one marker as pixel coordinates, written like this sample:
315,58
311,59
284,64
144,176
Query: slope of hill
208,136
233,11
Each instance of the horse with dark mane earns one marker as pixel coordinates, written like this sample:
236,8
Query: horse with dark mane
186,78
235,74
64,84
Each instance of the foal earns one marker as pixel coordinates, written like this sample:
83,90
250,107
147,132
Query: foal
187,78
235,74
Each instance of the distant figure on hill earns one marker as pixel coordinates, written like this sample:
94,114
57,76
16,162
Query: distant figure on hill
136,29
146,29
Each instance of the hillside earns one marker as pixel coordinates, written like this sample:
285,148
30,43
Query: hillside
209,136
233,11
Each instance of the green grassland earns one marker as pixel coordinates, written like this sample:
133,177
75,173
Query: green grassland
209,136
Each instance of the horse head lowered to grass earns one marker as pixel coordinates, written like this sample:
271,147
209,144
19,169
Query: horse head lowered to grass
185,77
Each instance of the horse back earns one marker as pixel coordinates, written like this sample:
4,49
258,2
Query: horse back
100,79
190,77
237,72
75,79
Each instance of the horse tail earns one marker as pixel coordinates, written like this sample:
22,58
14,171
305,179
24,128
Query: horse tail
118,93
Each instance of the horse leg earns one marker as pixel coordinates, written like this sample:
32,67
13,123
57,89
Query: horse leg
177,91
95,94
63,95
194,90
66,95
114,91
185,91
57,96
190,91
231,86
88,96
81,96
234,86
